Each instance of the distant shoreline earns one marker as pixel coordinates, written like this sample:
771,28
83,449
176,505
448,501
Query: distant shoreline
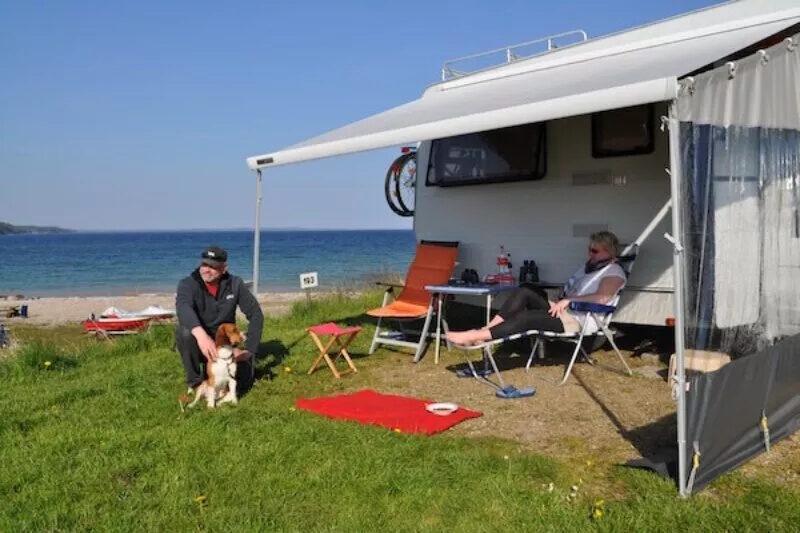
11,229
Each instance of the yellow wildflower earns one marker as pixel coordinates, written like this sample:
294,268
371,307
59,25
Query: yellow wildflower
597,509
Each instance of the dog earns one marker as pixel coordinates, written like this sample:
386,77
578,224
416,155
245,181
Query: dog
221,374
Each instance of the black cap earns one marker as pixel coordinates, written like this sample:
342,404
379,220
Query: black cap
214,256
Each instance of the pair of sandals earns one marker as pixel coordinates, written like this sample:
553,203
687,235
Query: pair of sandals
509,392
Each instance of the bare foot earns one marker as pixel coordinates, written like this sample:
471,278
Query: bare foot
465,338
459,337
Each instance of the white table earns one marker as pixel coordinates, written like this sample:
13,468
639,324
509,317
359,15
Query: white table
475,289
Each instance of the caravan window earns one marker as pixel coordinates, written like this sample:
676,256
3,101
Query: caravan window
506,154
626,131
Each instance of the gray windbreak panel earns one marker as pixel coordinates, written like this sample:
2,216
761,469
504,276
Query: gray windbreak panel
725,409
740,143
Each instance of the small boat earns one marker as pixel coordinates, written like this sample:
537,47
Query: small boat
157,312
116,324
154,311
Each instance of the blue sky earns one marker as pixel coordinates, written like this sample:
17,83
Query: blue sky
139,115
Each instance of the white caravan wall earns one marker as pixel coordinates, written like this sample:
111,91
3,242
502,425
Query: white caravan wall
549,220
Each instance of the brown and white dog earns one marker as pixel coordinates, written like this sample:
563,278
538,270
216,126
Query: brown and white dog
221,373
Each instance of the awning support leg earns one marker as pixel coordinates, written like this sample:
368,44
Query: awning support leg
677,273
257,233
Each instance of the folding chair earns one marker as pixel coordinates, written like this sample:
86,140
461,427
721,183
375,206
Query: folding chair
432,265
588,313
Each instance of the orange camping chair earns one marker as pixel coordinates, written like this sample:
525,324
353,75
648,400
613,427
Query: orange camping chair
432,265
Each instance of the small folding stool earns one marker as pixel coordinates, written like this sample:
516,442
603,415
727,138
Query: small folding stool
342,337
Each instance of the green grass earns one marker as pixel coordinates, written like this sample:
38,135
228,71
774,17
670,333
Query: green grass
93,439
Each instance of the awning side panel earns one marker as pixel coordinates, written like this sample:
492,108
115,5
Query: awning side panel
761,90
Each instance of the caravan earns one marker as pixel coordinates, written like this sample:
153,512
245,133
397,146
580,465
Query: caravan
538,153
696,117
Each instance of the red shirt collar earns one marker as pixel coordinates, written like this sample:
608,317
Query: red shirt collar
212,288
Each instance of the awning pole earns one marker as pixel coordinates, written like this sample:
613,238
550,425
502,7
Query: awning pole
677,275
257,233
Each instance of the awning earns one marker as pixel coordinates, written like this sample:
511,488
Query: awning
615,76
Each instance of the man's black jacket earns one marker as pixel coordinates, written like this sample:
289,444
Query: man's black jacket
197,307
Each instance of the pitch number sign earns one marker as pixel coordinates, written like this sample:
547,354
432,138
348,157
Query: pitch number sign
309,280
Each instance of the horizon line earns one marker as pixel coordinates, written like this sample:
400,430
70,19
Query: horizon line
279,228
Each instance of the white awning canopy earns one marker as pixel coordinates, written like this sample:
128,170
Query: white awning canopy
565,83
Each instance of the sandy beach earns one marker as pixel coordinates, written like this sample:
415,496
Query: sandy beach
52,311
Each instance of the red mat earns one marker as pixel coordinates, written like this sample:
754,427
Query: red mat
394,412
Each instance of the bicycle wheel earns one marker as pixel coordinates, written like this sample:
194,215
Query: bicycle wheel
390,186
405,184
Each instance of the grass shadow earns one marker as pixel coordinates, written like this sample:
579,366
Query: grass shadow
514,354
271,354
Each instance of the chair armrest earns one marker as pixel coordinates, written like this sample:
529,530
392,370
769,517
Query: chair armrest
589,307
389,286
544,284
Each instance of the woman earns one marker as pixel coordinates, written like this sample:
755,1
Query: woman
598,281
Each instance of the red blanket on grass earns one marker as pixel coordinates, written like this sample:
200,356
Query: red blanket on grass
394,412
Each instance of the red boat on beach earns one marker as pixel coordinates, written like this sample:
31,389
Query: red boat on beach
116,324
115,321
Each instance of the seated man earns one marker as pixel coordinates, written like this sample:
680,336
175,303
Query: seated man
205,299
528,307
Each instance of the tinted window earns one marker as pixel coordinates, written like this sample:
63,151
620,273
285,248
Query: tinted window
626,131
506,154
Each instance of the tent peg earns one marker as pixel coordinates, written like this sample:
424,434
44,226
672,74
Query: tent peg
695,468
765,429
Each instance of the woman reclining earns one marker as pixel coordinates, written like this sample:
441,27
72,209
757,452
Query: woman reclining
528,307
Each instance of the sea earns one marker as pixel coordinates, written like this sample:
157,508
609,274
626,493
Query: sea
134,262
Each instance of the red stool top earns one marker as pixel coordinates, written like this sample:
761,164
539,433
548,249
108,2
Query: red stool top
332,329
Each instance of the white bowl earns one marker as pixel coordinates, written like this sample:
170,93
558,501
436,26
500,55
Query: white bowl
442,409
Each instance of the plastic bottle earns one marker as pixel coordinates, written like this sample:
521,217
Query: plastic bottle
502,260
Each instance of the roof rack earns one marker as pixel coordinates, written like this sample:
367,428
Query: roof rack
511,53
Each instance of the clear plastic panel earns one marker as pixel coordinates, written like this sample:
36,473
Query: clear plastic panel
741,214
740,142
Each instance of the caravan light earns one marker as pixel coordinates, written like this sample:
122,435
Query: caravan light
670,322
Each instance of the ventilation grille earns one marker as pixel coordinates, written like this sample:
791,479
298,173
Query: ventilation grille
595,177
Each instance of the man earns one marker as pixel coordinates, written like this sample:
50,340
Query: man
207,298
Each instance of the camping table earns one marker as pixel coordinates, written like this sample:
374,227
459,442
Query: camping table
477,289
